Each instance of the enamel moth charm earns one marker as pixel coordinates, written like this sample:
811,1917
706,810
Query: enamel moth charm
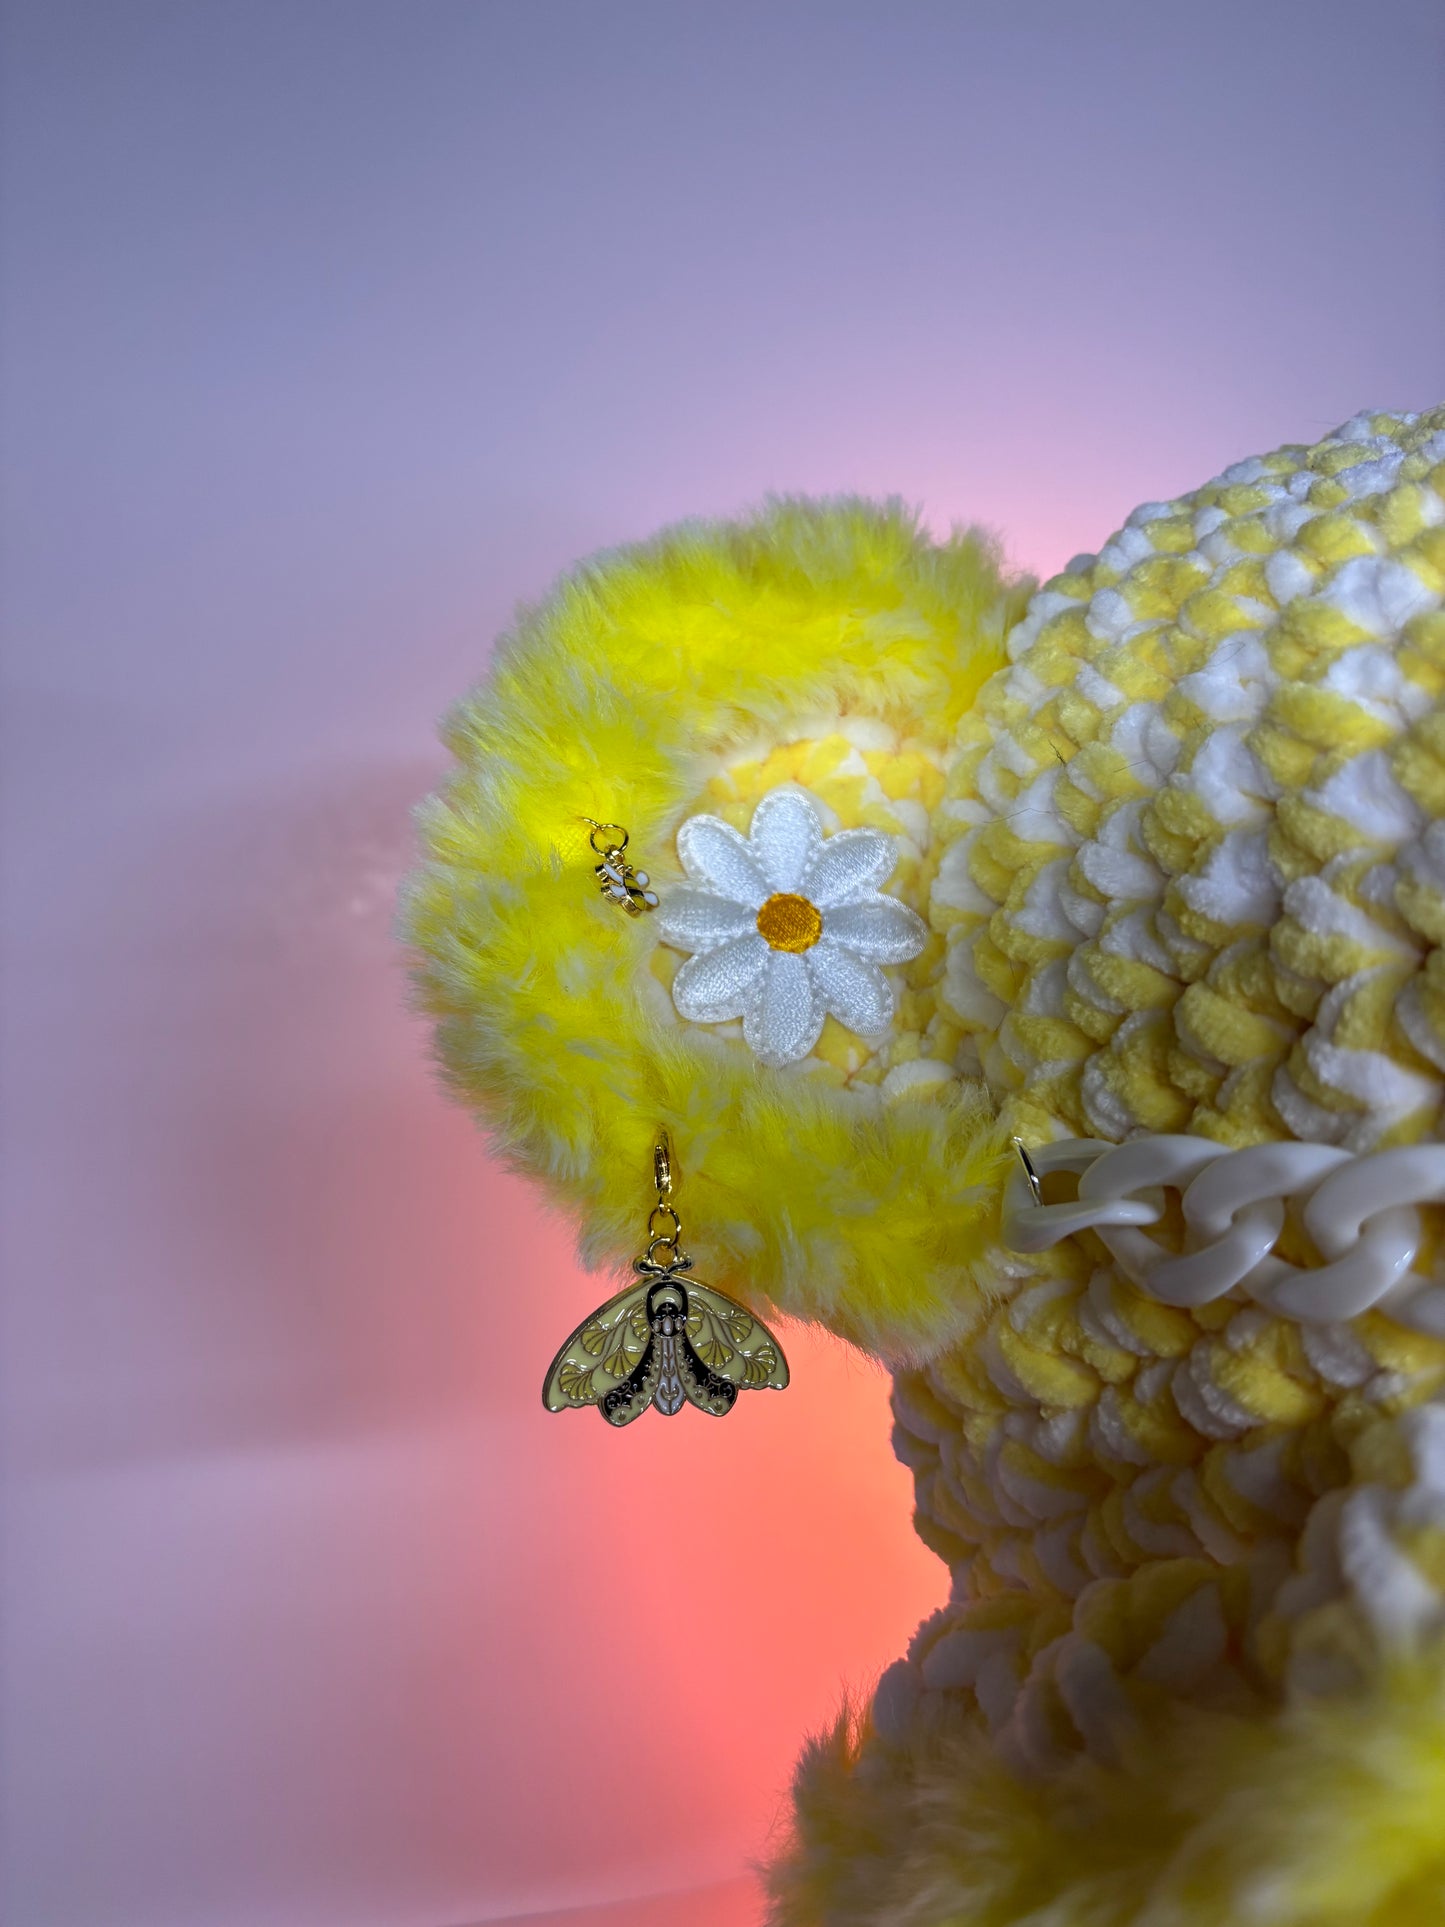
666,1340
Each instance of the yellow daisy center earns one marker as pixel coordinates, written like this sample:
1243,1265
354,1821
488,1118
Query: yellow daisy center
789,923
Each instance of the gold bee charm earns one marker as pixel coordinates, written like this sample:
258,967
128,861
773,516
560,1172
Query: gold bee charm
666,1340
619,882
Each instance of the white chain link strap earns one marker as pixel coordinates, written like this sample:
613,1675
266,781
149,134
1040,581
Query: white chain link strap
1359,1213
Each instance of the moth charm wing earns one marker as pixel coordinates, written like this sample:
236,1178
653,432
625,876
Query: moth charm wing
708,1390
603,1354
641,1388
731,1342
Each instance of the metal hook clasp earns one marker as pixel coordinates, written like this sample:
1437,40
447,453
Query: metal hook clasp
1036,1189
662,1165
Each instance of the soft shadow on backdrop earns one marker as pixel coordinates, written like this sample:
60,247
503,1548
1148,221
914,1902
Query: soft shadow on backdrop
330,332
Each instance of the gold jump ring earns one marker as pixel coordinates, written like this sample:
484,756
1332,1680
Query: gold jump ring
654,1225
613,844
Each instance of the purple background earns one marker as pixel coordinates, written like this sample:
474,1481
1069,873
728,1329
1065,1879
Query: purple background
330,330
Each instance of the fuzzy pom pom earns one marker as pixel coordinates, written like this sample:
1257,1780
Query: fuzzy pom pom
645,673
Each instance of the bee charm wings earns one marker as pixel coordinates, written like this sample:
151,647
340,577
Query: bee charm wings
668,1342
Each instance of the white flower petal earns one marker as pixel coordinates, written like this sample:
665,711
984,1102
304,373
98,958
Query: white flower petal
852,864
879,928
785,837
698,920
854,990
721,983
714,855
786,1014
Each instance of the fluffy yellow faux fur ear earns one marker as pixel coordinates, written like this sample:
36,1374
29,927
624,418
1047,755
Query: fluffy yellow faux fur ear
824,648
1324,1813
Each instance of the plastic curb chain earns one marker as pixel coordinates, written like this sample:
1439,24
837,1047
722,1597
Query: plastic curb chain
1359,1212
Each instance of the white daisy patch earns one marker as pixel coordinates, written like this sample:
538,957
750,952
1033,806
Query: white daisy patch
786,926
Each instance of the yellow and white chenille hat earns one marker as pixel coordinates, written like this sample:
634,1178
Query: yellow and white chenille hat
1044,989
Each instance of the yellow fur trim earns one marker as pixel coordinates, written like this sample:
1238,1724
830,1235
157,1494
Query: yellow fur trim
648,672
1325,1814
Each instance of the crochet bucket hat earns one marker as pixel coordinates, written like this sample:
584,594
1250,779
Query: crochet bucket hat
1044,992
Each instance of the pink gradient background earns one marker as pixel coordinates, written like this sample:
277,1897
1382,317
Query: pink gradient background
331,330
